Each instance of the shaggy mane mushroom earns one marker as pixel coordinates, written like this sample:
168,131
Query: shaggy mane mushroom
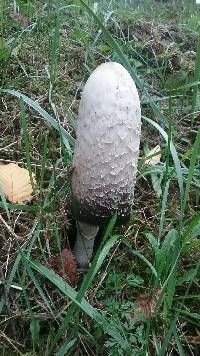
106,153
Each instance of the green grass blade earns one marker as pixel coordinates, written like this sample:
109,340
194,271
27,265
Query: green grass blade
178,312
148,263
163,209
167,174
66,347
26,142
4,203
178,343
196,79
10,279
63,327
68,291
29,208
34,279
67,138
124,60
173,153
71,118
189,229
195,152
43,163
96,264
168,337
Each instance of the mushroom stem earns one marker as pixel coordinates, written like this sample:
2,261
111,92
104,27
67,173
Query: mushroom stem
83,248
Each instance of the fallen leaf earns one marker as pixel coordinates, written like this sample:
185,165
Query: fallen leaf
145,305
192,339
155,159
19,18
15,183
65,265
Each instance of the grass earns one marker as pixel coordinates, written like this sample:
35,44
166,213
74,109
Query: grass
153,260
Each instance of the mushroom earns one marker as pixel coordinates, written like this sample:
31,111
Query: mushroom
106,153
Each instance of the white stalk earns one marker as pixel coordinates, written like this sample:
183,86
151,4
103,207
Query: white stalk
84,244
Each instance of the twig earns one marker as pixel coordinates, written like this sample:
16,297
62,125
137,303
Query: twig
10,230
106,269
12,285
11,342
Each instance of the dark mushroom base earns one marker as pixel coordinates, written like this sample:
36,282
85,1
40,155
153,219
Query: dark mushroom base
85,245
98,215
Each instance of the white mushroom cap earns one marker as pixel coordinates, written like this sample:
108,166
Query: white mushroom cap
107,145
